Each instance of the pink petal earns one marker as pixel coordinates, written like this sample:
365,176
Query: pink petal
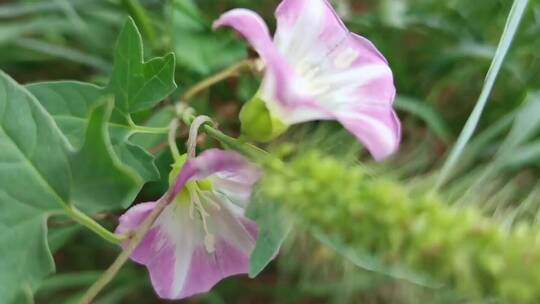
174,249
355,85
364,105
357,69
220,163
236,185
234,244
252,27
207,270
134,217
280,86
175,254
378,128
308,30
318,70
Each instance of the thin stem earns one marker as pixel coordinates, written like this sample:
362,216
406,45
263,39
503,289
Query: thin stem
94,226
111,272
163,145
246,149
193,130
150,130
172,139
147,130
220,76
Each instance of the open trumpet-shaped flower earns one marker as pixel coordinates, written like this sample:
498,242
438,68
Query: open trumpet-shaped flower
317,70
202,236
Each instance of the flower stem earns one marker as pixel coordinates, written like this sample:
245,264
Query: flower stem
171,139
83,219
246,149
220,76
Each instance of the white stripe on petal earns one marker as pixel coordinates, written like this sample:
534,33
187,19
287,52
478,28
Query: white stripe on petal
225,223
379,134
354,77
300,39
185,233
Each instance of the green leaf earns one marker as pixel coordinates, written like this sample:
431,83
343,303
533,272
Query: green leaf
525,124
40,174
274,226
136,86
516,150
139,85
100,181
70,104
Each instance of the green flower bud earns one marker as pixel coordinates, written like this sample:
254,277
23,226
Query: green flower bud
257,123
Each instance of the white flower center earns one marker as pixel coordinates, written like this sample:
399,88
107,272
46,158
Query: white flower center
196,205
312,74
309,74
345,58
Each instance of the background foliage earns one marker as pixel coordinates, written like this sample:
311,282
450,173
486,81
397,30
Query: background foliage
439,51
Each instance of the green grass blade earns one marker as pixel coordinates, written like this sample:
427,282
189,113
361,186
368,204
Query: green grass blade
510,29
16,10
63,52
425,112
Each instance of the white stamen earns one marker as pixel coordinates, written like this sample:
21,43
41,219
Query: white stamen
312,73
196,204
211,198
309,74
192,204
210,243
191,211
346,58
303,68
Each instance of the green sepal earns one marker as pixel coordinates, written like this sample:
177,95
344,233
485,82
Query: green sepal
257,123
176,167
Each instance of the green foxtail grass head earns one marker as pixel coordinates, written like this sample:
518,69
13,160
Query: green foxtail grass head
456,247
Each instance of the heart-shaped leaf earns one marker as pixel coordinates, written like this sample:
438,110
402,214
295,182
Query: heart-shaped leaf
41,173
70,104
135,85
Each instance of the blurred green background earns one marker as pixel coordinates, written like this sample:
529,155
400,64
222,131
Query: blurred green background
439,51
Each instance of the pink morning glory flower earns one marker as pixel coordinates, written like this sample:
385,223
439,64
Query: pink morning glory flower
202,236
316,69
